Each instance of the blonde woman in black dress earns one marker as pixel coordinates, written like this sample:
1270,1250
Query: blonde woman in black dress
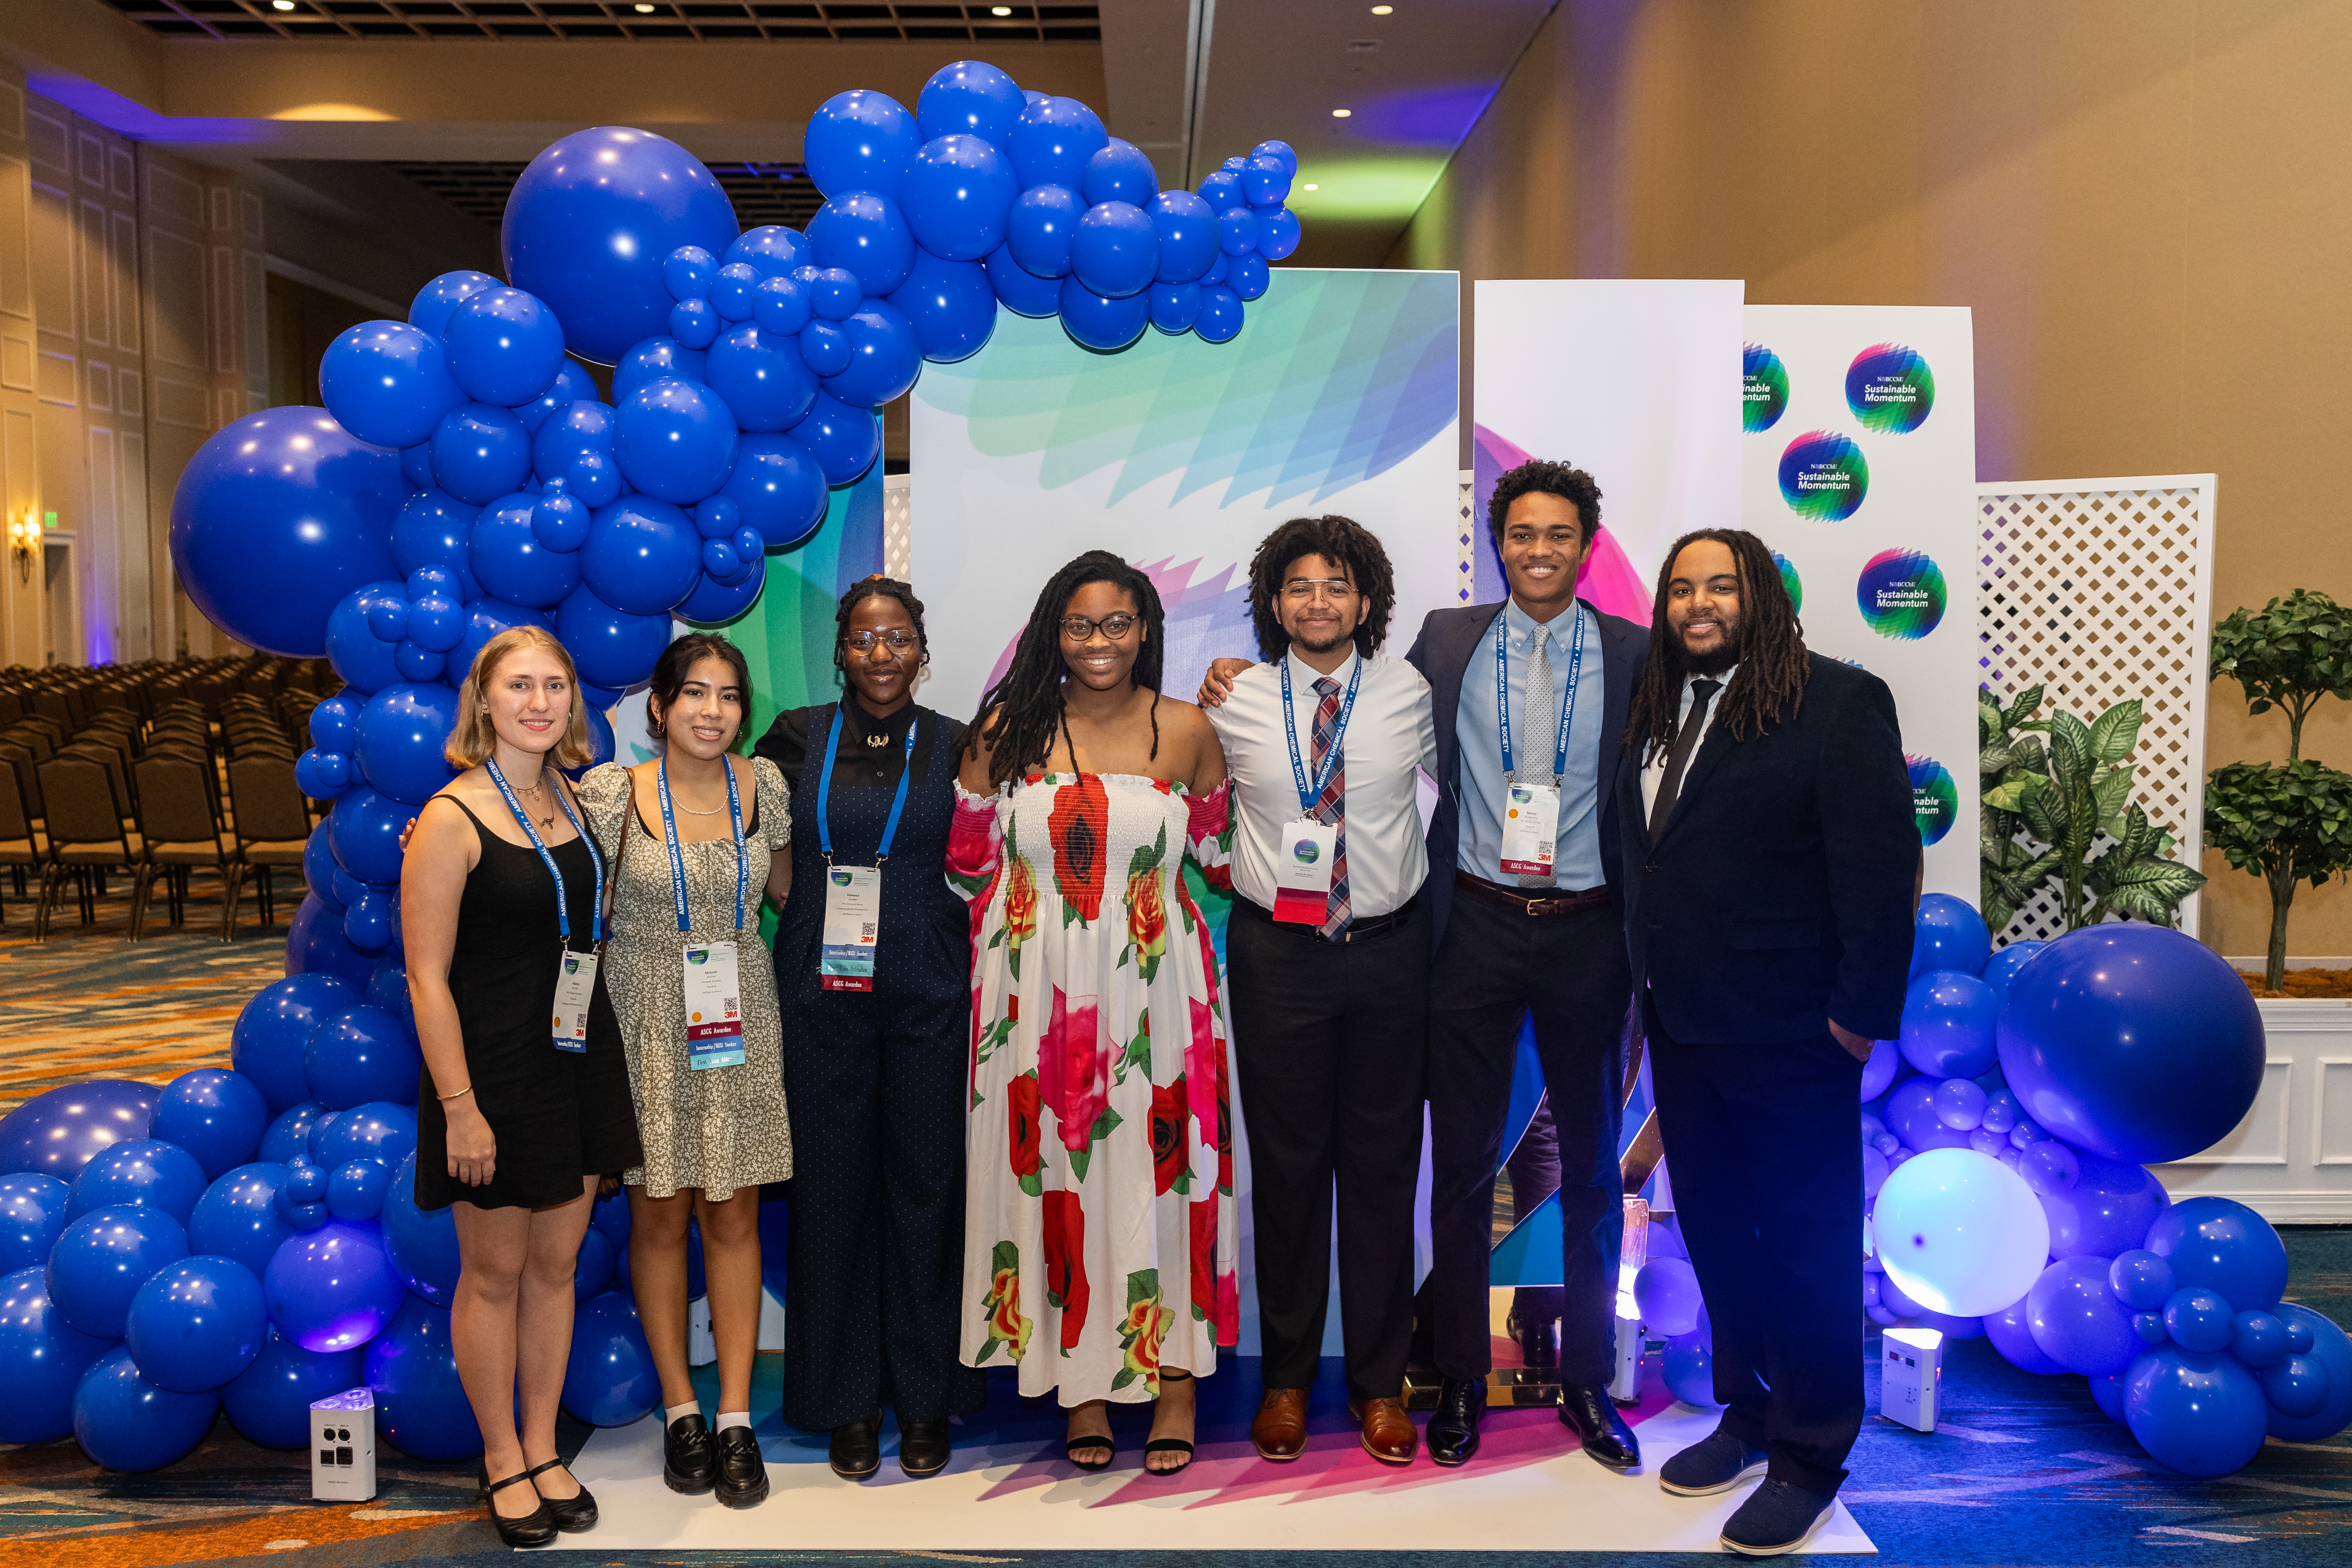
516,1122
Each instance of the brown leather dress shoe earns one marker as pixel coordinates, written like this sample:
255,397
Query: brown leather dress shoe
1278,1432
1387,1433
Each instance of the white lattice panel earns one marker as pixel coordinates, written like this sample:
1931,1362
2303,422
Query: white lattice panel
2101,589
897,529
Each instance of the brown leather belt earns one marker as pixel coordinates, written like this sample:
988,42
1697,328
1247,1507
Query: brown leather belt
1559,904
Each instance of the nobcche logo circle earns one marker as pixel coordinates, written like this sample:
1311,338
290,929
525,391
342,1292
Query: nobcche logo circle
1935,800
1822,475
1763,388
1305,851
1791,582
1890,389
1901,594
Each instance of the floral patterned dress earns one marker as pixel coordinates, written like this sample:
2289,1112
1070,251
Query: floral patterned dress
1100,1232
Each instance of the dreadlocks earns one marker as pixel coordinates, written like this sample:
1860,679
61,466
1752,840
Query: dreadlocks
1350,544
1028,700
1770,681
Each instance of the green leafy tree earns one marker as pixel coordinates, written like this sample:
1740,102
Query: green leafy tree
2061,808
2287,824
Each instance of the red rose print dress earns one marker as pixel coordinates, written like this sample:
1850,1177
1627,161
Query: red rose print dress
1099,1235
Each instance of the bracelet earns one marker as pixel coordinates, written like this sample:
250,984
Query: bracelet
461,1093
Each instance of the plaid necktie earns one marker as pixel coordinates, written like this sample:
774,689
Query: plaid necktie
1543,725
1332,807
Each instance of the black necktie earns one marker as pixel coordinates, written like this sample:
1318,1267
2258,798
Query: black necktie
1685,741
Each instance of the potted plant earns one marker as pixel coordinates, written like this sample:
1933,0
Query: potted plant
2287,822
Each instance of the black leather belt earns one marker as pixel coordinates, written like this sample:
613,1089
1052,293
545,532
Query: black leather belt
1519,898
1357,931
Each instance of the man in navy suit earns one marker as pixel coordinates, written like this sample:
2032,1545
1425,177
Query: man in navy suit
1769,858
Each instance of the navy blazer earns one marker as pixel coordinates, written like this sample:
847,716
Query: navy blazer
1780,893
1448,641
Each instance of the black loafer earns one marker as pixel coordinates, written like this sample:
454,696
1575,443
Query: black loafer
1778,1517
689,1457
1591,1415
536,1528
1716,1462
1452,1429
855,1451
572,1514
742,1475
922,1447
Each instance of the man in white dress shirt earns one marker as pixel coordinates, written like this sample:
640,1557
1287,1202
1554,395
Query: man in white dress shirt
1328,965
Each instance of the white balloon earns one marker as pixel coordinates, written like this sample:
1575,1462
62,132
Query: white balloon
1959,1232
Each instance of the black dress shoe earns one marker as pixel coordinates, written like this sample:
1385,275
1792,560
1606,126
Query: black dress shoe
572,1514
536,1528
855,1451
689,1457
1452,1429
742,1475
922,1447
1539,1341
1591,1415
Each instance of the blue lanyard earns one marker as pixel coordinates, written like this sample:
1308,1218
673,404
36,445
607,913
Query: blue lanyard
677,857
1307,796
825,793
1503,689
562,909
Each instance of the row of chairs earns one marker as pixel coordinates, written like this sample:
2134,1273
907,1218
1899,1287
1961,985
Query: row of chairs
71,694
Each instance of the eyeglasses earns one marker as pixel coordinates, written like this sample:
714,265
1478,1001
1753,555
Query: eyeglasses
1299,589
897,640
1079,629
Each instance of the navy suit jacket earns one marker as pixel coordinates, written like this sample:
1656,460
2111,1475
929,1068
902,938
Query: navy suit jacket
1449,640
1779,894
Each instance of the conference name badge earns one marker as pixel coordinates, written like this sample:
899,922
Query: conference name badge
853,917
1302,871
575,982
1530,829
714,1008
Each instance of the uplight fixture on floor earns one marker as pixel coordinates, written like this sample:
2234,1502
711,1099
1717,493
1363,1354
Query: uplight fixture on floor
1910,1375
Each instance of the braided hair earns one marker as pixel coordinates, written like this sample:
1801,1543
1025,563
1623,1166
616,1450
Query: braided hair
1028,702
1770,682
1336,539
879,587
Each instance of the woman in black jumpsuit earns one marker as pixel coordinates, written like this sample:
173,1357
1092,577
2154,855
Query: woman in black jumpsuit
876,1078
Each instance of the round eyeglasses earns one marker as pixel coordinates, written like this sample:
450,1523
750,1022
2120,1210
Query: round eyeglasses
1080,629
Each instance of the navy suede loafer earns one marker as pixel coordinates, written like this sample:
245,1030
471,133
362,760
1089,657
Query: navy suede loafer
1778,1517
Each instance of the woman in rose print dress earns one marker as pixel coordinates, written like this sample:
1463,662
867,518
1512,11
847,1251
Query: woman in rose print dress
1099,1235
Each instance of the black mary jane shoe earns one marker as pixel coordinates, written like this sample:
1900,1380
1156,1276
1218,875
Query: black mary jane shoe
536,1528
689,1457
923,1448
742,1474
855,1451
572,1514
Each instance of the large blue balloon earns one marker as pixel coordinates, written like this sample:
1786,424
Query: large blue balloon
613,648
104,1256
43,1358
429,311
432,530
236,1217
401,733
1949,1024
2329,1357
2012,1336
859,140
127,1423
2133,1041
270,1399
145,1171
1019,290
675,440
381,1131
364,832
2104,1211
504,347
589,223
216,1115
480,452
956,196
1039,227
771,250
316,945
2003,966
56,1131
950,304
1050,143
885,357
1248,278
576,446
1187,233
276,517
715,604
1115,251
267,1043
778,488
1119,173
1221,312
642,555
420,1405
333,1287
511,563
2076,1320
1278,234
2196,1412
844,440
32,1217
760,377
865,234
362,1053
1948,934
196,1323
1101,323
969,98
484,619
388,384
421,1242
2221,1246
610,1380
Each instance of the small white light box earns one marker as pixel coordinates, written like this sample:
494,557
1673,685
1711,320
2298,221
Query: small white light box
1625,1378
1910,1376
342,1447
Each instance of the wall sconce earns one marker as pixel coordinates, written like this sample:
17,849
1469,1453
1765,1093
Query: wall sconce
24,542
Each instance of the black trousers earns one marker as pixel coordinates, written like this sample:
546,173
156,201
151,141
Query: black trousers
877,1085
1329,1042
1495,964
1767,1188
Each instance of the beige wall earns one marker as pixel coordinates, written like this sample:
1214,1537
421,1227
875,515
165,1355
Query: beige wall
2146,202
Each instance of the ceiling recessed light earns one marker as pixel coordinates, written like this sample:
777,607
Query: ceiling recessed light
1383,10
1311,187
281,4
1000,10
1341,113
643,9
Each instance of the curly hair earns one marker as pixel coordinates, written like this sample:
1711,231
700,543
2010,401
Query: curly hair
1769,684
1537,477
1342,539
677,661
879,587
1027,703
